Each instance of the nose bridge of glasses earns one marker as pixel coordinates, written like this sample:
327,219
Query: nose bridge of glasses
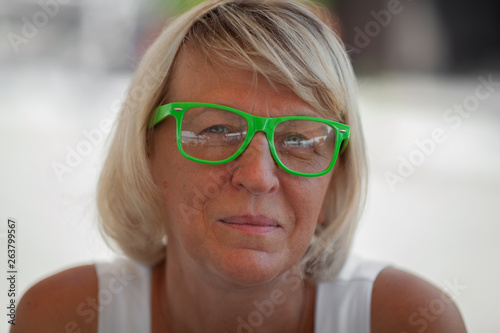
261,124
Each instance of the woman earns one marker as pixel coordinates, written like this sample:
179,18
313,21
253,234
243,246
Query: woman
234,183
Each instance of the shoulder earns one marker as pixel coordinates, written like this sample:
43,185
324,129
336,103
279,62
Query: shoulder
64,302
402,301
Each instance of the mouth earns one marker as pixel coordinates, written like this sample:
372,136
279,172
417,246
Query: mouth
251,224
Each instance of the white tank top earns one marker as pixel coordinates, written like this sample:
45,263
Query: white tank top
342,305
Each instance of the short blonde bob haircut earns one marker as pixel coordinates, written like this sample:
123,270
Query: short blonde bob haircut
287,44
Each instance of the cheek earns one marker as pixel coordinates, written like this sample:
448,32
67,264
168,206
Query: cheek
307,198
182,209
191,190
182,197
170,172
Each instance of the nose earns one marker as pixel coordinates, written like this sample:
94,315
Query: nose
255,169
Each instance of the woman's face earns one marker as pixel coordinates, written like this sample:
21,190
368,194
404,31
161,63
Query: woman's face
247,221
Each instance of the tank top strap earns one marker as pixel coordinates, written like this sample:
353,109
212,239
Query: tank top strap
124,297
344,304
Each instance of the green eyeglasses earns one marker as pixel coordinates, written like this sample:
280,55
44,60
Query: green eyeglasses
216,134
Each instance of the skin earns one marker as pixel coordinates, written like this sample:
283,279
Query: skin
215,270
217,256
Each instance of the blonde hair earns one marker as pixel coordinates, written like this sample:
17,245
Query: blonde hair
279,39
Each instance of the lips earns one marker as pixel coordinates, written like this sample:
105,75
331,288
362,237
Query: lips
251,224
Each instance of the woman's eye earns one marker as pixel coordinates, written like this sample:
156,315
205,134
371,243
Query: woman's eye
217,129
296,140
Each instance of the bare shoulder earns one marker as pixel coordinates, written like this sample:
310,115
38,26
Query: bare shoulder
64,302
402,302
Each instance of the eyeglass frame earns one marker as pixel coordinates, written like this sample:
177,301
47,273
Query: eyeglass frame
255,124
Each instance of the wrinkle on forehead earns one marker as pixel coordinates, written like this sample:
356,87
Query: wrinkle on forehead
229,85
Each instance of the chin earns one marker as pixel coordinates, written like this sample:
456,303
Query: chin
248,268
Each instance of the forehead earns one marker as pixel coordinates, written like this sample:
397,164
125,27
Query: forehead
197,79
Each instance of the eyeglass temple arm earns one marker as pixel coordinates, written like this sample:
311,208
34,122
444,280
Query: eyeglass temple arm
346,134
343,145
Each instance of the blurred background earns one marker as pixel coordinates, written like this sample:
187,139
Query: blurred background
429,76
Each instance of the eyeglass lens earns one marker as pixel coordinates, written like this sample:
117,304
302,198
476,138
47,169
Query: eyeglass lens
213,134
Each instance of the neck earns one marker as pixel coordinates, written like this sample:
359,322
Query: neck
195,302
